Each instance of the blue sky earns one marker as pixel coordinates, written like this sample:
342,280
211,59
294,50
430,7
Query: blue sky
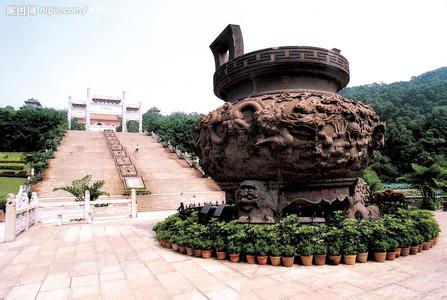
158,50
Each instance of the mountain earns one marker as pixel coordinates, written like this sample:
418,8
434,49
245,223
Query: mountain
416,115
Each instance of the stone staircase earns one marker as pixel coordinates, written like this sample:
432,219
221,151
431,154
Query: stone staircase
80,153
166,176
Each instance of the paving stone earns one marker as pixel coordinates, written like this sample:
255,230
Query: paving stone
111,276
55,281
24,292
152,292
82,281
86,292
61,294
226,293
118,289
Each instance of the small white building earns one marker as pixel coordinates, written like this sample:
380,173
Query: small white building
100,113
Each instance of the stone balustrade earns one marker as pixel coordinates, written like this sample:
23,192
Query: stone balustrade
21,213
181,155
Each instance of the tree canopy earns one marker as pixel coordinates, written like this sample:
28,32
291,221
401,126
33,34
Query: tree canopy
29,129
416,119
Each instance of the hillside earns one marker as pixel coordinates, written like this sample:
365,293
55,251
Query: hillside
416,115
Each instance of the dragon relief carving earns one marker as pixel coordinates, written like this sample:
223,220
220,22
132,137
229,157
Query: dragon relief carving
288,137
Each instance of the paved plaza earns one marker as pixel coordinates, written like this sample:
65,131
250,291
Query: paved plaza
122,260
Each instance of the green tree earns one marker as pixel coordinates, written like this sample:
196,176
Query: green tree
428,180
132,126
371,178
76,126
79,186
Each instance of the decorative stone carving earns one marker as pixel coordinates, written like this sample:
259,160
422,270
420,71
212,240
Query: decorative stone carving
283,124
358,202
255,203
11,200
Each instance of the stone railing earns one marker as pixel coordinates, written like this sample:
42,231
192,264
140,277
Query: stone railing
193,163
87,210
126,168
21,213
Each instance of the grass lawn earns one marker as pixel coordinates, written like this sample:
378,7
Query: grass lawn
9,185
12,156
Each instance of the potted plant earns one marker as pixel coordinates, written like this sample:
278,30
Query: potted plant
305,248
249,250
391,249
220,248
181,239
379,247
206,246
287,255
350,236
362,252
174,242
306,251
416,241
334,244
234,251
320,251
275,254
262,250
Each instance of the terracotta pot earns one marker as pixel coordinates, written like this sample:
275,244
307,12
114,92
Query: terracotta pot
287,261
319,259
162,243
251,259
420,246
168,245
189,251
391,255
182,249
405,251
379,256
425,245
362,257
349,259
432,243
306,260
197,253
275,260
207,253
334,259
175,247
221,255
262,260
235,257
398,250
414,250
2,216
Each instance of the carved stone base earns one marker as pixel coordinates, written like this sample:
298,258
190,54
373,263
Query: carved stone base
263,202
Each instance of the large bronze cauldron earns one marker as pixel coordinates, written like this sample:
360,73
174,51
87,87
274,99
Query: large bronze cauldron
285,137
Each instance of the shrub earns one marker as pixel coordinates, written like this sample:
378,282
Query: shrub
287,250
334,241
350,237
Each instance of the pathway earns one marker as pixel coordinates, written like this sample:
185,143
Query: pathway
80,153
122,260
166,175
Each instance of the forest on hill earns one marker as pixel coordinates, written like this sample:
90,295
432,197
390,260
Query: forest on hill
415,113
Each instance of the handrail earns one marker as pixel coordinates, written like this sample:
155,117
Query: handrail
185,156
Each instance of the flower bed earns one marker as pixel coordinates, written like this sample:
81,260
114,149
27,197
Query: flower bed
401,234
